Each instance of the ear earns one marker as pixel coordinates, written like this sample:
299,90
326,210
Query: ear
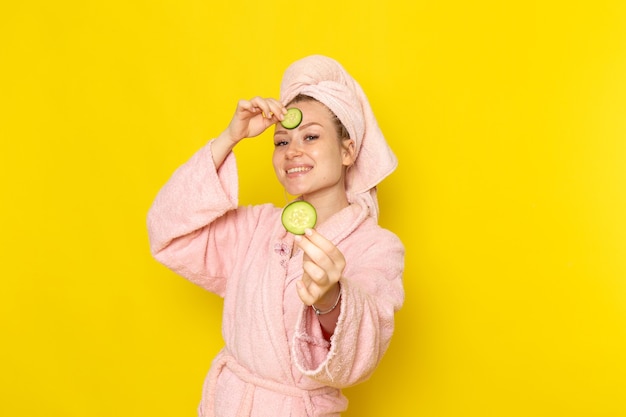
348,152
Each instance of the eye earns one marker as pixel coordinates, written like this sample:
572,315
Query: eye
311,137
280,143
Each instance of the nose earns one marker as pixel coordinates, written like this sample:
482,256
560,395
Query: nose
293,149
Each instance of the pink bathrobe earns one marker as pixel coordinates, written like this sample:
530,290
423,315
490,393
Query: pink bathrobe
275,361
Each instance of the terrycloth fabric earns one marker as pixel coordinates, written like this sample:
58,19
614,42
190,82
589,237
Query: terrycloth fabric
327,81
275,361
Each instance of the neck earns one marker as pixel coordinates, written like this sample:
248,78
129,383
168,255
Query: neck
327,205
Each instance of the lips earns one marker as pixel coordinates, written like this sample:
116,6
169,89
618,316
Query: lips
298,170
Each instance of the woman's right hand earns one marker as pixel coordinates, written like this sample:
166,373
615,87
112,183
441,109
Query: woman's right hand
253,116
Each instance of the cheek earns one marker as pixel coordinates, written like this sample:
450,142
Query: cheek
333,159
333,168
276,160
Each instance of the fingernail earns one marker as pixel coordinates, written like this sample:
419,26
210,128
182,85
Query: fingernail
297,238
308,232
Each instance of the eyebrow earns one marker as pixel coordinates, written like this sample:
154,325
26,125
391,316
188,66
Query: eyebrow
283,131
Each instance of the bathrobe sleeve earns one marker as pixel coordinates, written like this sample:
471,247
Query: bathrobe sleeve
194,211
371,293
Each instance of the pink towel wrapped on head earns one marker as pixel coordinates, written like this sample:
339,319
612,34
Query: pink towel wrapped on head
327,81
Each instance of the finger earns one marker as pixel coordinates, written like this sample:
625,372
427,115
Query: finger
261,104
313,253
277,108
320,241
244,106
329,248
306,279
304,293
315,273
323,252
271,108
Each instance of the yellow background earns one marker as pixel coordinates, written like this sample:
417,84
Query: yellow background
509,121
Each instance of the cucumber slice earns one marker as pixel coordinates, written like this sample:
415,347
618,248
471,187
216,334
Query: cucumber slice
292,119
297,216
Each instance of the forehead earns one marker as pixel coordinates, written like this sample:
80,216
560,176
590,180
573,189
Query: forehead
312,112
315,108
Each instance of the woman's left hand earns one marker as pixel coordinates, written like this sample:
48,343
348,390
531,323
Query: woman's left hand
323,265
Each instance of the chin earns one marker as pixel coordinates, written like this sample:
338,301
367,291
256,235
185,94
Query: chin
295,191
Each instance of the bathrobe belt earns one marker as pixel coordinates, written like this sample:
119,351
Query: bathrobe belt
252,381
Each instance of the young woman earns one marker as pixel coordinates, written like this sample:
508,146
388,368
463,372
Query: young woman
304,315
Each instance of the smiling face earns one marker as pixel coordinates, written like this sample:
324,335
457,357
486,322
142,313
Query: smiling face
311,159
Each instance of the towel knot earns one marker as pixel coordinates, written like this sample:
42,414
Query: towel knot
252,381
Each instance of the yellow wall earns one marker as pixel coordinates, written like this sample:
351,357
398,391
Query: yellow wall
509,120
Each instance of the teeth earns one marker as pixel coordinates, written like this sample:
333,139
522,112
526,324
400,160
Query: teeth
297,169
